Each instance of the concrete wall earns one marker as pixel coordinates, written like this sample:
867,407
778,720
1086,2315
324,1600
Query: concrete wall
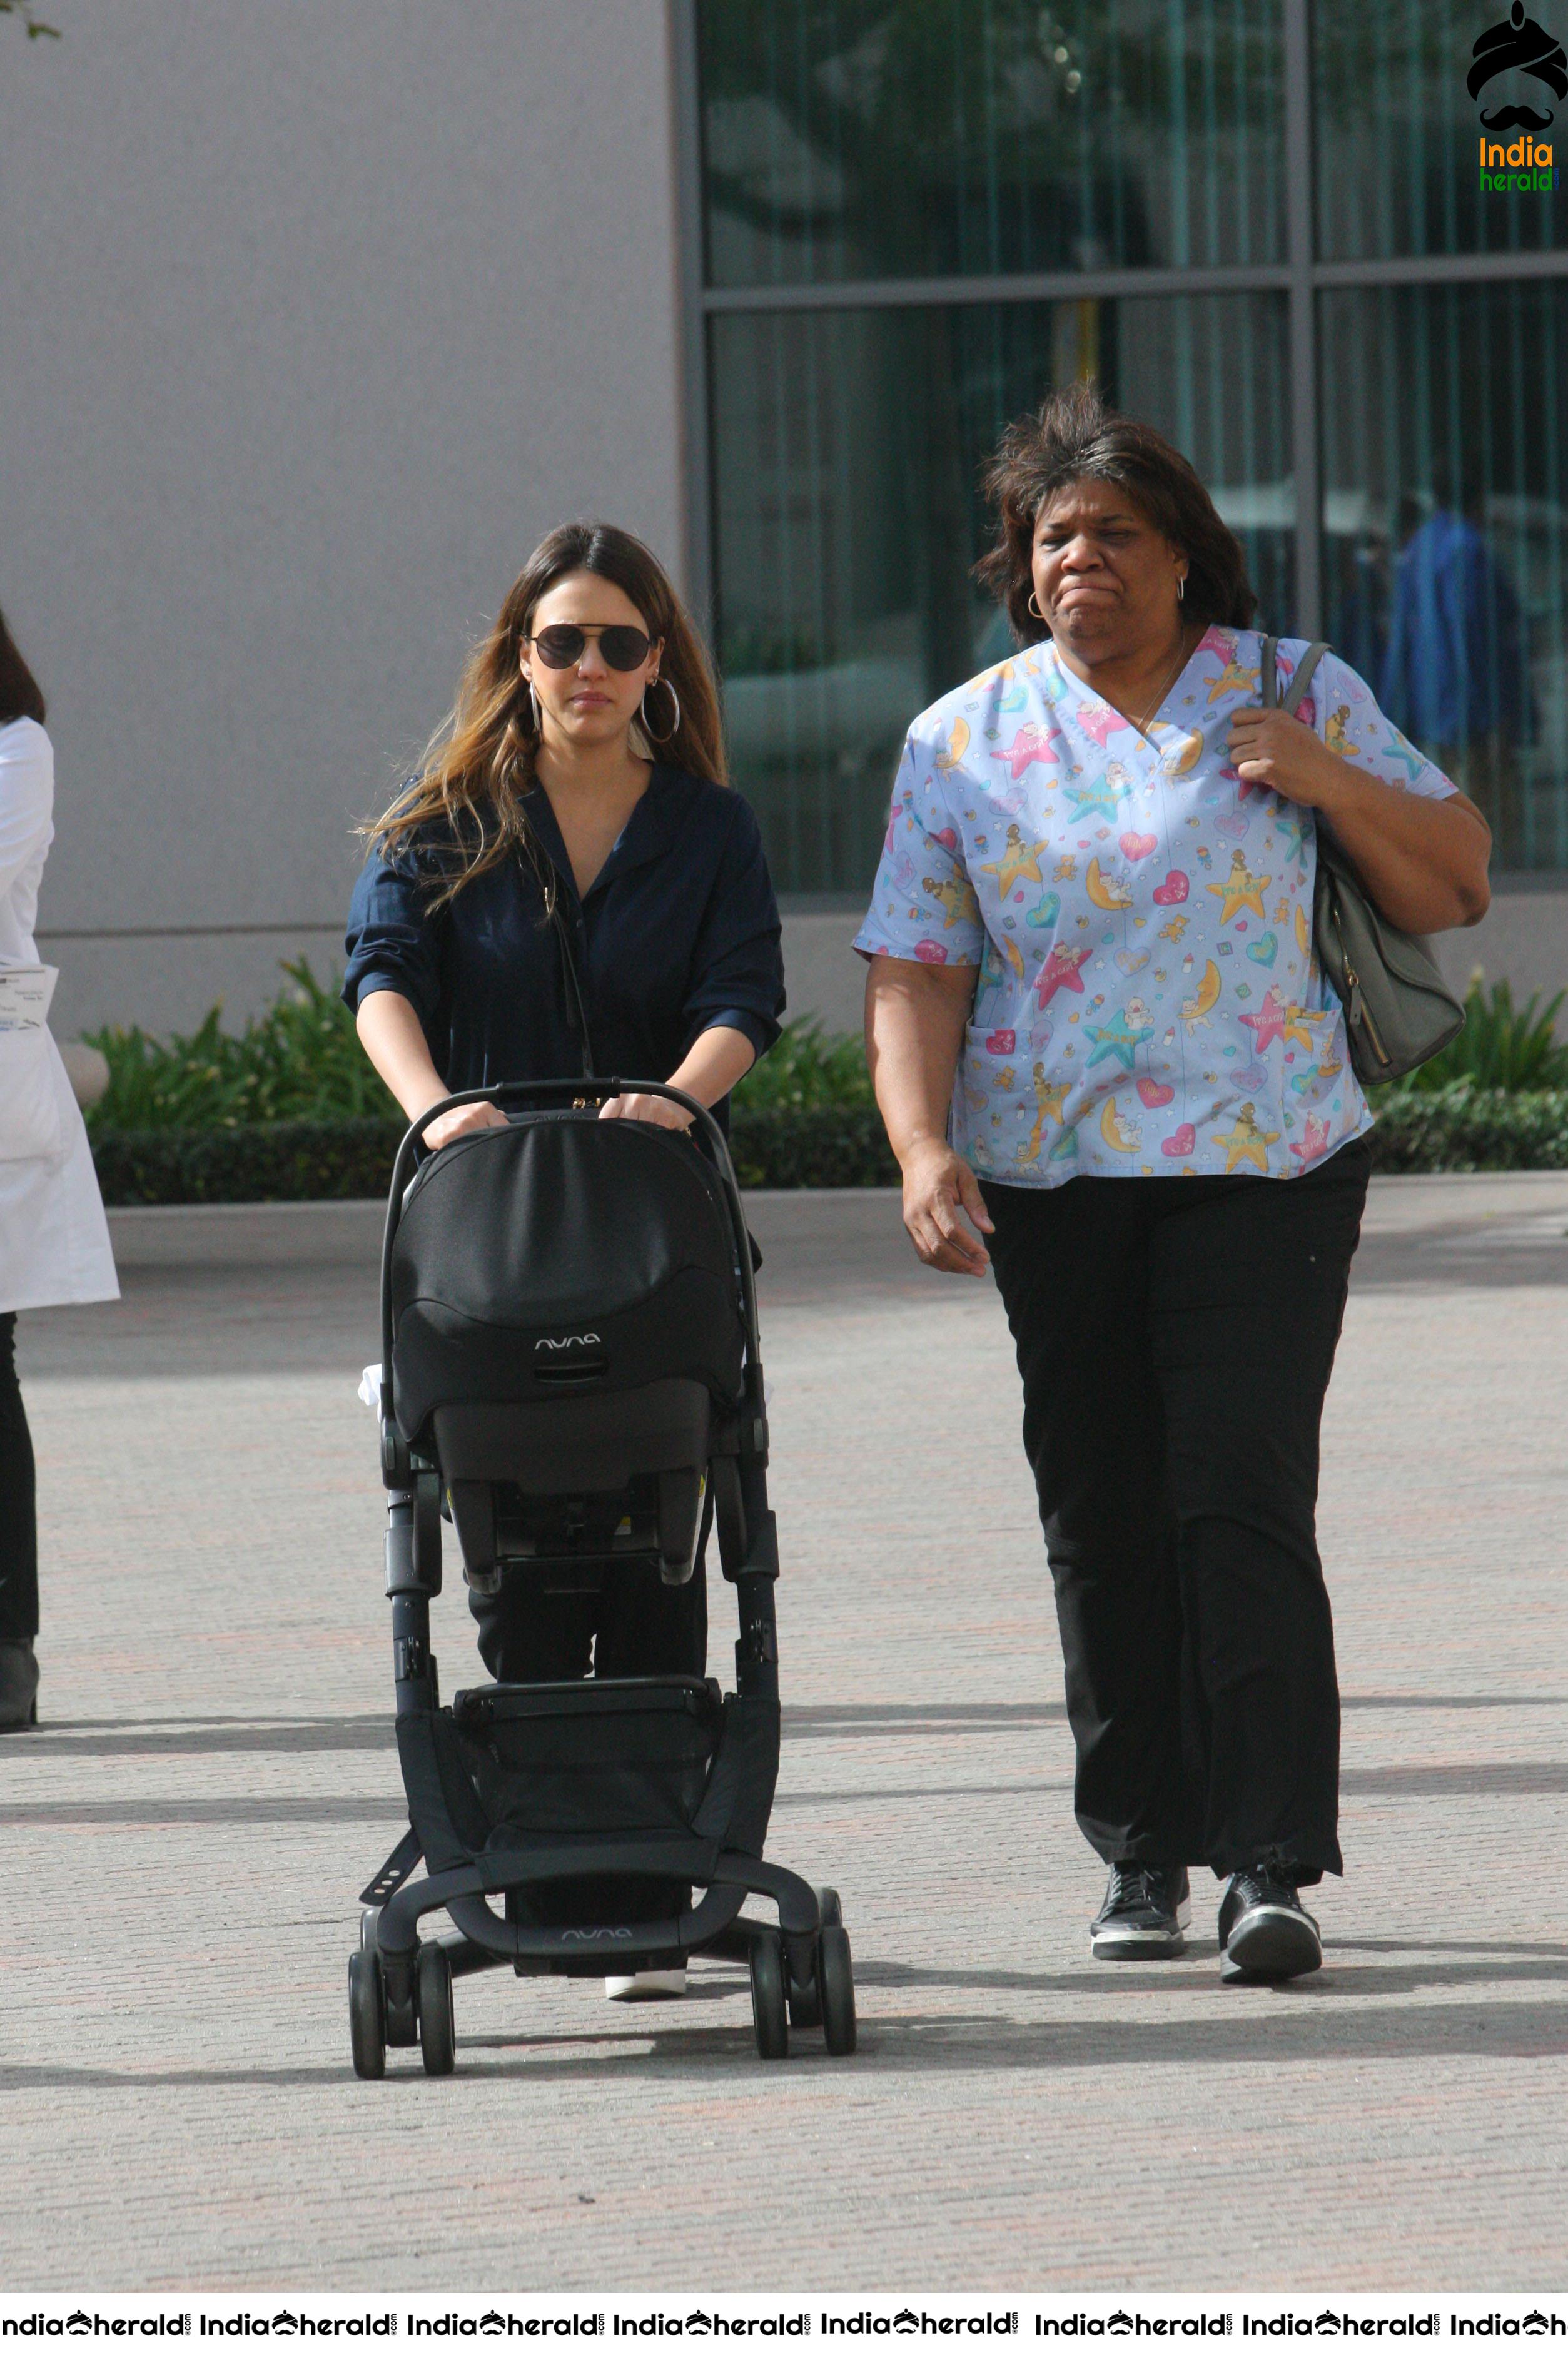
316,314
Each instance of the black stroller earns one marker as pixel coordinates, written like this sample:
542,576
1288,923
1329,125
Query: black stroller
571,1374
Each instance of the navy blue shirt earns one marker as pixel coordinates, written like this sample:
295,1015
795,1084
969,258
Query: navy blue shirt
679,933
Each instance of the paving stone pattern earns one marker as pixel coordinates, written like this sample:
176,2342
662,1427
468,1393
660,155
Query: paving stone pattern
185,1837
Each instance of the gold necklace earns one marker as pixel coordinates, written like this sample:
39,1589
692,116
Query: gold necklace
1181,659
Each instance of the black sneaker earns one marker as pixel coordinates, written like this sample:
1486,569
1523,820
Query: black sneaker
1263,1930
1146,1907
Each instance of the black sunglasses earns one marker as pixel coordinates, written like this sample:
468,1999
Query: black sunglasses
561,645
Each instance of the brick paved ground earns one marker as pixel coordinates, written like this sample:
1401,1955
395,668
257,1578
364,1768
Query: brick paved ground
184,1840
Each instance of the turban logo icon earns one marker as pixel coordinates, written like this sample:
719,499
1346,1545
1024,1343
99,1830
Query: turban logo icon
1520,44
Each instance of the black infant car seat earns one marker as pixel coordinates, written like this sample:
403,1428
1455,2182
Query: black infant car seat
570,1372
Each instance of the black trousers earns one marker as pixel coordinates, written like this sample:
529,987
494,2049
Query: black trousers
636,1625
1176,1337
18,1509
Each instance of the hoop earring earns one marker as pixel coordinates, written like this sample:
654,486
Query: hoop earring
1033,606
533,706
674,728
1180,588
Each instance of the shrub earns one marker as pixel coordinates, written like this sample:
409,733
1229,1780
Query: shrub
807,1070
1460,1127
1501,1046
1465,1127
288,1160
290,1110
301,1060
823,1144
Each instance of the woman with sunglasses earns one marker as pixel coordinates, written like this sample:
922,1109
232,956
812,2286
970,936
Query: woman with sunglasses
569,858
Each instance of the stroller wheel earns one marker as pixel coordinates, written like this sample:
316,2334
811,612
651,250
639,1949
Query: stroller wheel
369,1922
805,2002
835,1990
438,2033
367,2027
769,2014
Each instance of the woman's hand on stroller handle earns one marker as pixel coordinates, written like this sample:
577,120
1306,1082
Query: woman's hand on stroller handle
657,1110
464,1120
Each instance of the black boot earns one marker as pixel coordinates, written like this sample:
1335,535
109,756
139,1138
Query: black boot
19,1684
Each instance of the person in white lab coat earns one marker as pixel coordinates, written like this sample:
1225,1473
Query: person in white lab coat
54,1240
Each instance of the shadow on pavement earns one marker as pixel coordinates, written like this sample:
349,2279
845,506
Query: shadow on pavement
239,1736
1546,1779
887,1723
156,1813
1455,1699
1497,1257
1275,2025
1545,1964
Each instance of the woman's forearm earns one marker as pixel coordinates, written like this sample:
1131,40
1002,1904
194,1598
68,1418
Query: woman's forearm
915,1019
718,1059
390,1032
1424,861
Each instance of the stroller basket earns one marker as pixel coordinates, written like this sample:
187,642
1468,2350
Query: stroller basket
590,1756
572,1377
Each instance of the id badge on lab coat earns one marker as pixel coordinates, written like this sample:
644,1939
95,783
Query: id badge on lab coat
31,1127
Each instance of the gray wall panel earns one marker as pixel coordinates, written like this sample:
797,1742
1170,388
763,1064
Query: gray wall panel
315,315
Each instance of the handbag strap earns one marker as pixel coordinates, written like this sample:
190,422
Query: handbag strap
571,981
1301,678
576,1011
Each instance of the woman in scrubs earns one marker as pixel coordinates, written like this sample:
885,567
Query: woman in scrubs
1102,1046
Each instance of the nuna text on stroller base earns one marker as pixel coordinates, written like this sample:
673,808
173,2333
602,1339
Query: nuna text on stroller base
571,1372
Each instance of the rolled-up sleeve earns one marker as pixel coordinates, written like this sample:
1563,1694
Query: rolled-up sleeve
923,908
737,965
391,940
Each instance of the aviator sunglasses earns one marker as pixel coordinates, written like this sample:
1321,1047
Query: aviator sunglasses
561,645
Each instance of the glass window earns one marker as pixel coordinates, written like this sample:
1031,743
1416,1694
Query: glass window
1399,135
847,446
850,139
1446,519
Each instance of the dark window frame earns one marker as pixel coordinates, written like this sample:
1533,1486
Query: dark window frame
1302,276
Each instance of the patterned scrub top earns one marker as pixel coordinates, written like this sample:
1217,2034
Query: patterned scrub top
1149,1003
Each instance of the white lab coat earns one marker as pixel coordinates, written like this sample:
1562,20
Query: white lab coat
53,1238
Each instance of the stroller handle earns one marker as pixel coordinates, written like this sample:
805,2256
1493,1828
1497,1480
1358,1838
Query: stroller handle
578,1092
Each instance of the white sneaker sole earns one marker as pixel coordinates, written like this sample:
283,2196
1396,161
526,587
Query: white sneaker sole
649,1985
1117,1943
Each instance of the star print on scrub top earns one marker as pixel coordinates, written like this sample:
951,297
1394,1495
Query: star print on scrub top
1148,1003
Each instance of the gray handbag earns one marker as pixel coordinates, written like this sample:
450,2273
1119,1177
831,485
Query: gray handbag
1399,1010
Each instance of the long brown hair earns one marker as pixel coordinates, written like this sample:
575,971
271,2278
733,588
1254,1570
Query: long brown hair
1074,437
480,761
21,696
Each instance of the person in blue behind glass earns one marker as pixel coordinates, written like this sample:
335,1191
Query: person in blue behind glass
1100,1036
1455,674
571,830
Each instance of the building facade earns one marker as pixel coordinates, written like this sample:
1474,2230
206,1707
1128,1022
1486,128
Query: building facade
325,312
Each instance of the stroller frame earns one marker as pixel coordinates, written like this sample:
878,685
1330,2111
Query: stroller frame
399,1984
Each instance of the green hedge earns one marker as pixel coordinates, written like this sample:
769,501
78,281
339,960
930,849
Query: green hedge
319,1160
1463,1128
286,1160
825,1144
